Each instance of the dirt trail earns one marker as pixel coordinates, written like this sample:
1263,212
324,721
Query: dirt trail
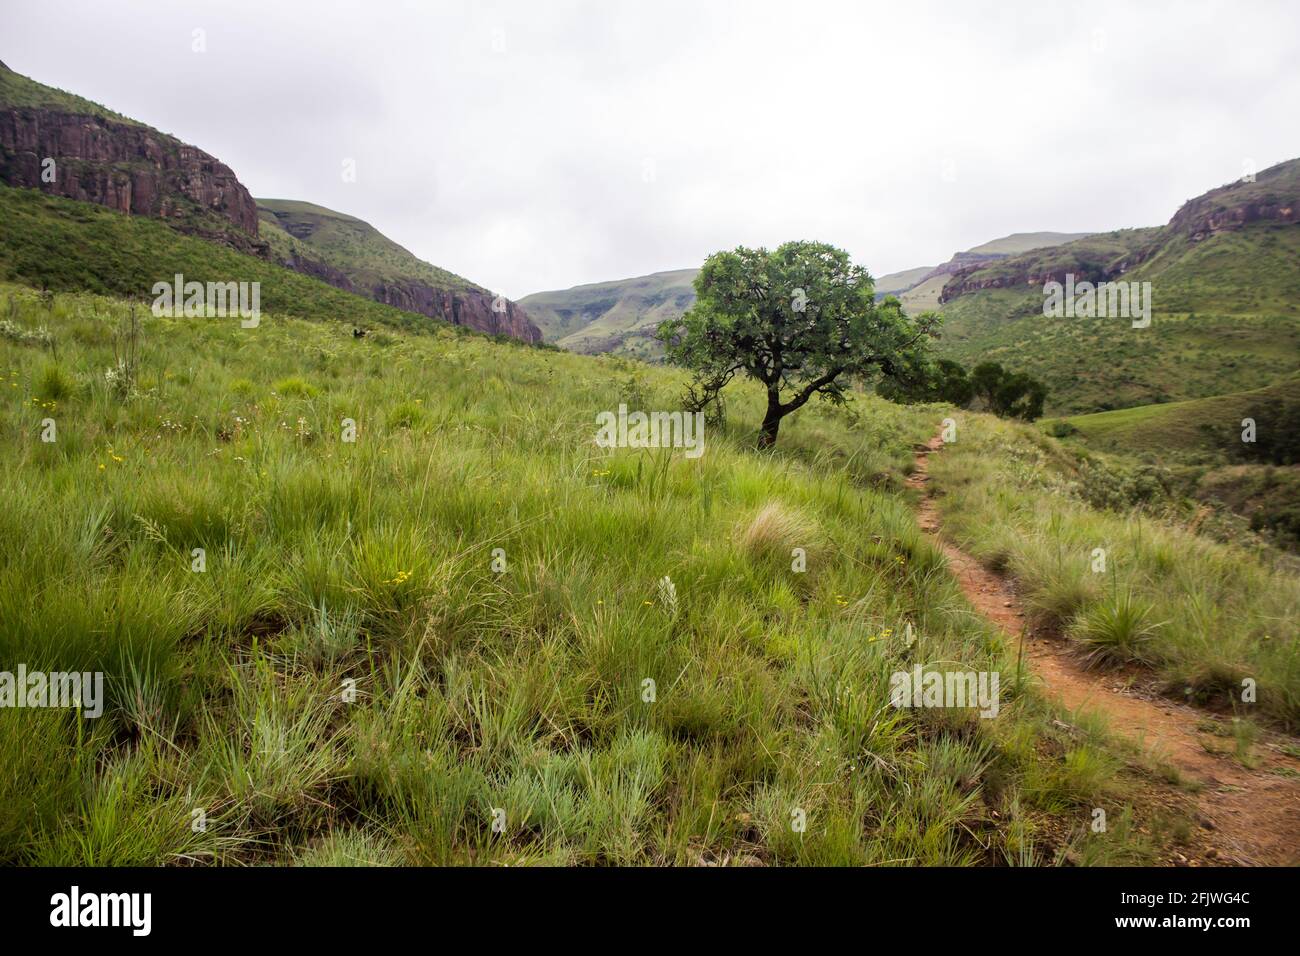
1247,816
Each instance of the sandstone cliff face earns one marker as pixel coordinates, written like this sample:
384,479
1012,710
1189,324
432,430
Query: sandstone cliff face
139,171
1201,218
1085,259
1273,197
132,169
473,309
972,278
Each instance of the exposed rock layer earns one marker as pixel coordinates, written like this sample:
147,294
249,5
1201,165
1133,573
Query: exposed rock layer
133,169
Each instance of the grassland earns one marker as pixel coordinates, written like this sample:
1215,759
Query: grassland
616,316
521,687
20,91
897,282
1204,615
63,245
1196,429
1225,318
348,244
1022,242
1194,448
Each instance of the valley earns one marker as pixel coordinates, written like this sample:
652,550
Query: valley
381,567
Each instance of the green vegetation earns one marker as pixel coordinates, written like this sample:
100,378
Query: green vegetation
355,248
1008,394
20,91
922,378
1225,317
928,381
1206,615
924,297
619,317
802,320
1197,447
897,282
1204,429
1021,242
65,245
325,562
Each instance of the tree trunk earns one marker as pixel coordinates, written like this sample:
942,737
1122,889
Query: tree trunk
771,421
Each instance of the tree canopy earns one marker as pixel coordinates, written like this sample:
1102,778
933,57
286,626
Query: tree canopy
802,320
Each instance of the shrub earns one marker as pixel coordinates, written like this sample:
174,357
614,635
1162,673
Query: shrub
295,387
54,384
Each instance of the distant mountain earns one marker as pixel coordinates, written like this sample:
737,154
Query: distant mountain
1225,296
621,316
351,254
922,294
618,316
897,282
64,145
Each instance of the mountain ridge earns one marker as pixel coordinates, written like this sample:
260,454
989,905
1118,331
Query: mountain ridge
620,315
350,253
62,144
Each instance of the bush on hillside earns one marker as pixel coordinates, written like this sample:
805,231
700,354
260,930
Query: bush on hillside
1275,432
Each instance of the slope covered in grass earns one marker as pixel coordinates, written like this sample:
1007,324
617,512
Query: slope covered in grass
1203,425
351,245
472,615
1205,615
1225,318
616,316
65,245
1021,242
20,91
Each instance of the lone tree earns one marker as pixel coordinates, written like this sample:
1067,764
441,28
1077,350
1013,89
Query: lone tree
802,320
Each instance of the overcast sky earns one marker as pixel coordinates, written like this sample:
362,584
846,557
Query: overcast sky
538,145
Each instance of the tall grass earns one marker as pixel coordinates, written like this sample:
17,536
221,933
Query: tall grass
450,641
1210,617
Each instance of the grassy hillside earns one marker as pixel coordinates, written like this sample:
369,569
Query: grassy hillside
487,691
1195,448
1225,317
1020,242
352,246
621,316
21,91
592,318
1197,427
66,245
1225,304
1205,615
925,296
897,282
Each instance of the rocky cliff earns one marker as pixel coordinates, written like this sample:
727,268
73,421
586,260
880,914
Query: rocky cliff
475,309
125,166
471,308
351,254
1272,196
1097,258
105,158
